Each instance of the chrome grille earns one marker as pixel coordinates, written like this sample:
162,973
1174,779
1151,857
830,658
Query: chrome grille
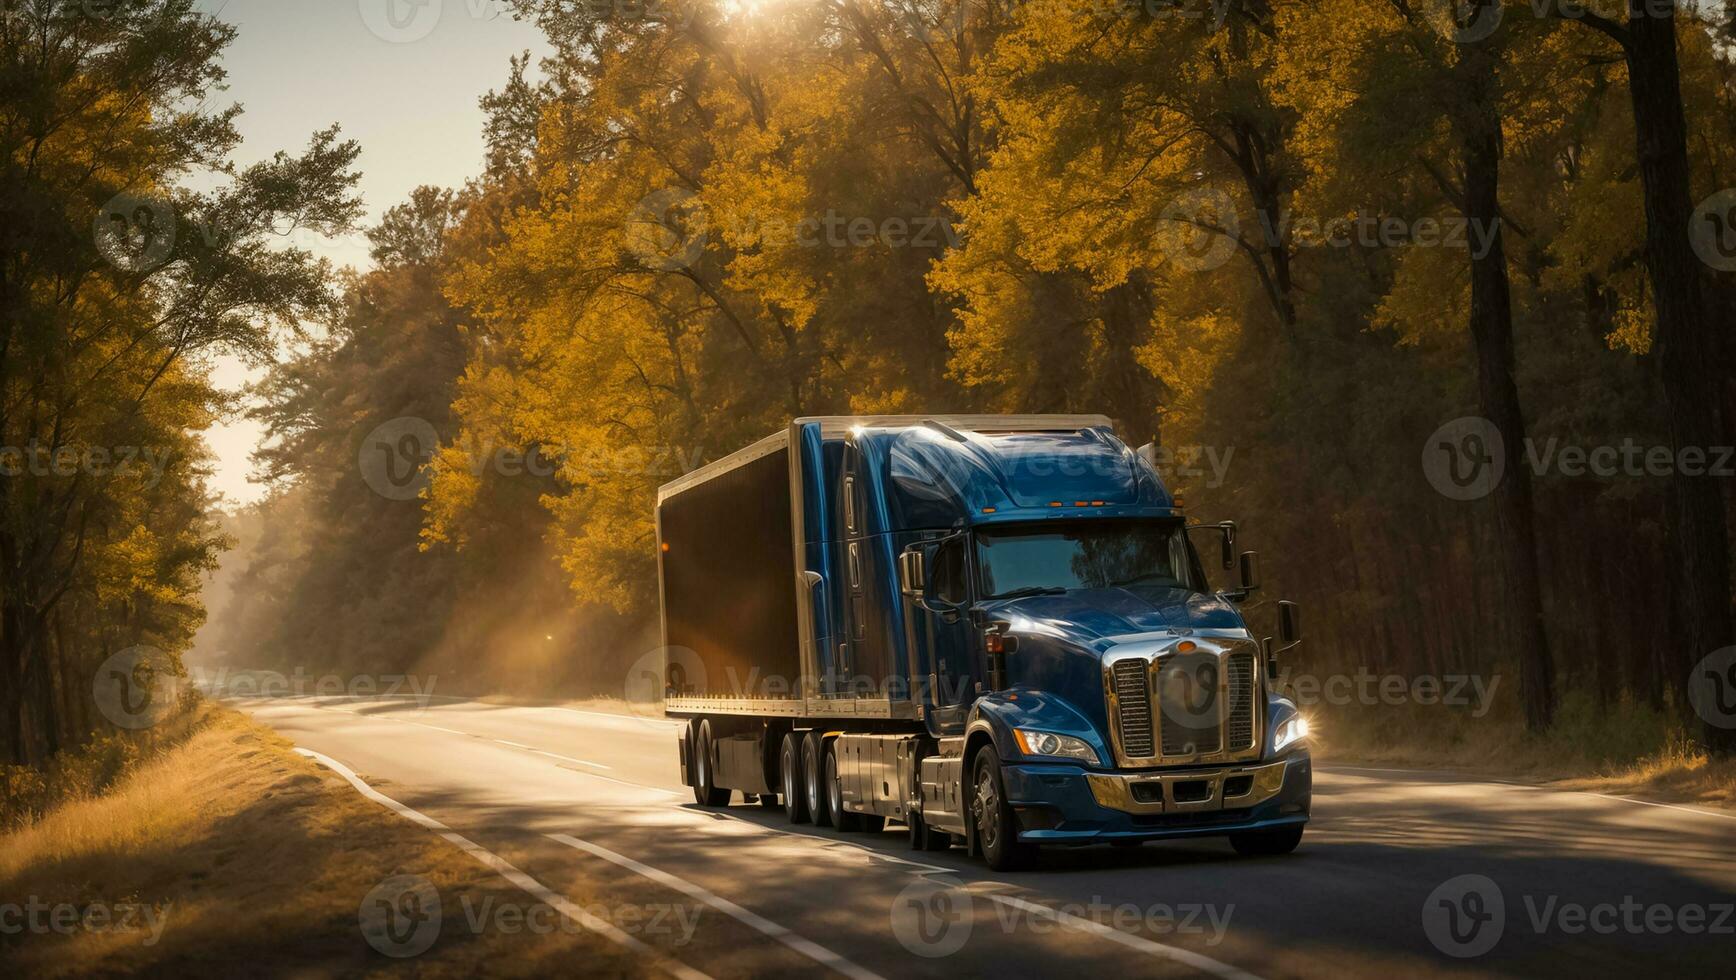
1134,703
1200,706
1239,728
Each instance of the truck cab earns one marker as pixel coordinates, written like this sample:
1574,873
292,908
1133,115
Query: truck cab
1004,637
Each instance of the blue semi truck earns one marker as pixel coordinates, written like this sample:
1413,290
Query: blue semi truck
997,630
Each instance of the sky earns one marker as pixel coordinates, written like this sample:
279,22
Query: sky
402,77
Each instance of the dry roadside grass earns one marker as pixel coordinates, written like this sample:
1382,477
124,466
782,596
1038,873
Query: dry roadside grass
255,861
1624,750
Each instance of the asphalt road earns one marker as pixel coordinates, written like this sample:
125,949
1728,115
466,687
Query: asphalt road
590,806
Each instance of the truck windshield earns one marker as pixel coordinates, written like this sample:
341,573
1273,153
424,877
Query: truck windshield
1054,557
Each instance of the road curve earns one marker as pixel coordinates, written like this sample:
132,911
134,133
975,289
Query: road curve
1401,873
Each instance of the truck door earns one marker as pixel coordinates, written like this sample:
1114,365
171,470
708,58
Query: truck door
945,635
852,645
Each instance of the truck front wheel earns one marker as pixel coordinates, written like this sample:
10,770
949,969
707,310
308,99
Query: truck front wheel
997,830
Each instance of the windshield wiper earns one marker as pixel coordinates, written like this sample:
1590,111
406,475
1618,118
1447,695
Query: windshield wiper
1031,590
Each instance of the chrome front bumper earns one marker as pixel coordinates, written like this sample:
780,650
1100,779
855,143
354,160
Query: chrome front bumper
1189,791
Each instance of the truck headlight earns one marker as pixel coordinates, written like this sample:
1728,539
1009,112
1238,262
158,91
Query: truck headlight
1290,730
1049,743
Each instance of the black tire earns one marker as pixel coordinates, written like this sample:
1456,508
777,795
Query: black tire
841,818
871,823
926,838
1267,843
790,770
992,822
768,801
813,779
704,793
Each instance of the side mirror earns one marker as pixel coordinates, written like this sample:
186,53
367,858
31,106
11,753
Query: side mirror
1289,624
1229,543
912,573
1250,571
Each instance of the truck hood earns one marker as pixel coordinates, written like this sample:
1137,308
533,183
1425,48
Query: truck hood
1090,616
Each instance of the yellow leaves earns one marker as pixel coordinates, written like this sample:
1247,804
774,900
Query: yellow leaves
1430,295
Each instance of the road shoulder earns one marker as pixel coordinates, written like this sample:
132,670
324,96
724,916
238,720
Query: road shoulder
230,851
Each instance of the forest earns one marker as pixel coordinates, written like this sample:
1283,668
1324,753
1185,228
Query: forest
1323,252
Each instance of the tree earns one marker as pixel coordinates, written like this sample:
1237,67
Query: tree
114,283
1694,359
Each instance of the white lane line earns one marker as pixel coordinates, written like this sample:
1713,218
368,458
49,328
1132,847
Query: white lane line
1666,806
502,741
1202,963
555,755
623,782
421,724
808,948
1195,960
499,865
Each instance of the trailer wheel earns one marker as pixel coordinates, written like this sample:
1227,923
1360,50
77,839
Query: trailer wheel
813,748
992,820
790,767
841,818
704,793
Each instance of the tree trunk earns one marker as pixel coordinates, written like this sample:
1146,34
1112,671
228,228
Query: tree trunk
11,689
1686,343
1492,334
1132,394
